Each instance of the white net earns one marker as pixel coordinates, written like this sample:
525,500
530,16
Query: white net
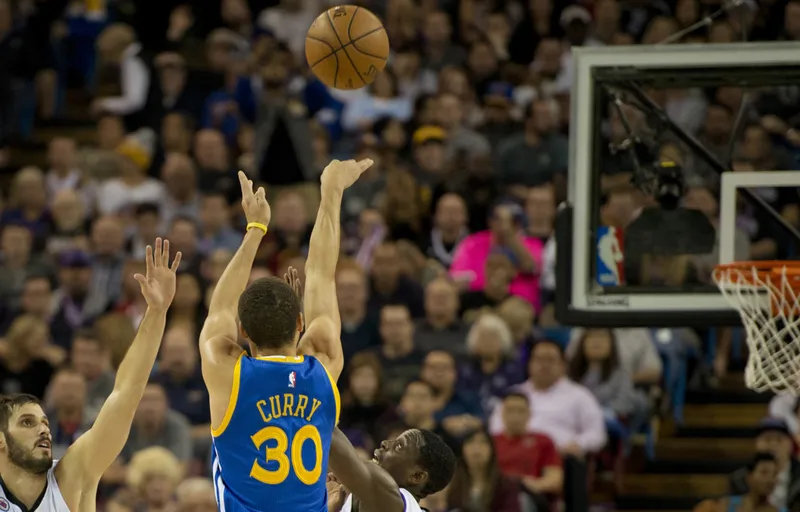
769,304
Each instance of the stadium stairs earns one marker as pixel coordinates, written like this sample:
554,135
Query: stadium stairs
693,459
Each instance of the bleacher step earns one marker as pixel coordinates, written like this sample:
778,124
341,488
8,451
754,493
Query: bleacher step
718,432
724,415
684,449
719,467
653,503
690,485
726,396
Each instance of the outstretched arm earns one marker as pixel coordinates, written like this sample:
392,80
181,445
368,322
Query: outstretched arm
323,325
218,339
96,450
368,483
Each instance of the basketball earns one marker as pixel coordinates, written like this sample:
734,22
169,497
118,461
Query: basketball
346,47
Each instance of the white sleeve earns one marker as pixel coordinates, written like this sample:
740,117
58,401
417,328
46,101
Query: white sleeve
135,81
411,504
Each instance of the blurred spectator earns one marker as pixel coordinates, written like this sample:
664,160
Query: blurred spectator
146,227
362,396
67,409
381,99
188,309
215,222
506,236
155,425
92,360
441,329
519,316
536,156
153,475
283,133
107,262
110,132
195,495
27,205
596,365
359,329
36,300
775,439
418,409
133,186
181,198
449,229
64,174
458,409
479,484
493,366
500,272
460,139
560,408
761,475
529,456
70,229
388,286
400,360
28,360
184,234
117,46
179,375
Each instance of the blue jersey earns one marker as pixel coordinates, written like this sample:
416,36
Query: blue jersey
271,450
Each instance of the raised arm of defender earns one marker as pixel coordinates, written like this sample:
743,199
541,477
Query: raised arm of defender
93,453
323,325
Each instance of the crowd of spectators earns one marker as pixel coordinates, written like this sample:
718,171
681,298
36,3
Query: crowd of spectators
446,281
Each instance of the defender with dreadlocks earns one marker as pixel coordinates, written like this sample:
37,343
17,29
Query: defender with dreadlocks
403,471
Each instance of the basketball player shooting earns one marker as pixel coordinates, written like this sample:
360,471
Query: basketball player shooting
273,412
31,480
414,465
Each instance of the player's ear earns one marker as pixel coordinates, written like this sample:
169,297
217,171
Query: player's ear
418,477
2,440
301,323
243,332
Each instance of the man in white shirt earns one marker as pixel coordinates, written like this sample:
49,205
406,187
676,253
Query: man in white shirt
567,412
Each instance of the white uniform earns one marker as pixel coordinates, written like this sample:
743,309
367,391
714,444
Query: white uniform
51,501
411,504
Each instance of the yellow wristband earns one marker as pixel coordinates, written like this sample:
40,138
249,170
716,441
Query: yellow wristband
257,225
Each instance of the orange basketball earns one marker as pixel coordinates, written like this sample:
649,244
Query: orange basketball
346,47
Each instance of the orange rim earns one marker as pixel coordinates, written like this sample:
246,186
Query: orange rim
760,272
776,277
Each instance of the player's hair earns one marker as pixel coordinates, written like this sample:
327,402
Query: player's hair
10,403
268,311
438,459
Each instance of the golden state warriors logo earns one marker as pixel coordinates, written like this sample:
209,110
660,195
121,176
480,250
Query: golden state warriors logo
292,379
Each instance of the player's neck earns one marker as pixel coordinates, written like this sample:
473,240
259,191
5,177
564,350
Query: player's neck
23,485
272,352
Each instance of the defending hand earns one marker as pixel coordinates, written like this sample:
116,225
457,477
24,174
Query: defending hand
158,283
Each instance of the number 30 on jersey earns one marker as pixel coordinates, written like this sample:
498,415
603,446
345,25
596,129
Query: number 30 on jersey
278,454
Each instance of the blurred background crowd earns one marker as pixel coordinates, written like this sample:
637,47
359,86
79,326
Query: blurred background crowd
121,121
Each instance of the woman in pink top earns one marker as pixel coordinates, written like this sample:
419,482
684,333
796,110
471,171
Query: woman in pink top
505,235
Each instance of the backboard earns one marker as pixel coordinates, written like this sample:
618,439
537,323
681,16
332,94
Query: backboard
598,283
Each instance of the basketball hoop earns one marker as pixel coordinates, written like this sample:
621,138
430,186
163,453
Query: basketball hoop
767,296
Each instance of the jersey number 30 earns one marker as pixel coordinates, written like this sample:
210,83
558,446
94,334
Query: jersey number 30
278,454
